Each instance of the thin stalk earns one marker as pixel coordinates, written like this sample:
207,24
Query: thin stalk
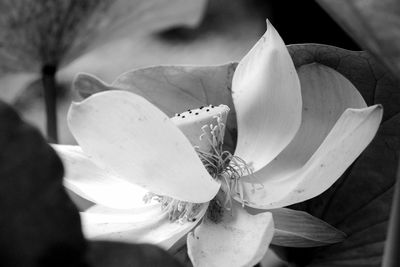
391,256
50,99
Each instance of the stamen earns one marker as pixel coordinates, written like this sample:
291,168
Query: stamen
178,211
224,166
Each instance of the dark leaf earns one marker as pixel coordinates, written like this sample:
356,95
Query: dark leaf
111,254
299,229
374,25
376,85
39,225
359,202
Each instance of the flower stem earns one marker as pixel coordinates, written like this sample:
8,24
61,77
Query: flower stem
391,257
50,98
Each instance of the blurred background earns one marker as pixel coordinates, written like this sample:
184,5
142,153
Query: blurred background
145,33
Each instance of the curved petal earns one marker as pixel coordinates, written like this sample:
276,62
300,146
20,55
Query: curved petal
326,95
349,137
144,225
125,134
267,99
89,181
240,239
87,84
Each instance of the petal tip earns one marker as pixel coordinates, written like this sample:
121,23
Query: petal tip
379,107
268,23
72,109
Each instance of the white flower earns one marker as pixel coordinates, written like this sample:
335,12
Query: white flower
295,142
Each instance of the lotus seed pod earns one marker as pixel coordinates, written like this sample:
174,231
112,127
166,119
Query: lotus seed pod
204,126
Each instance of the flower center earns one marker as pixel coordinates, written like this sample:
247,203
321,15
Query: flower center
205,129
180,211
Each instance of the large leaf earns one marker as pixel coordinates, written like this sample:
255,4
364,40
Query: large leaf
374,24
359,202
173,89
39,225
375,84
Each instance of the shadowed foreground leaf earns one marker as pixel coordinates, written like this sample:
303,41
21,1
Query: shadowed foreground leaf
110,254
39,225
373,24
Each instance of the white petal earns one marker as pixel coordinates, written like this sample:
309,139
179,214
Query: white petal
267,99
89,181
240,239
326,95
349,137
125,134
144,225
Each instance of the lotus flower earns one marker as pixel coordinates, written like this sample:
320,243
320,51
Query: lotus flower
293,143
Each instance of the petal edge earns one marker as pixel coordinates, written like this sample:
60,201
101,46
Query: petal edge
352,133
125,134
240,239
267,99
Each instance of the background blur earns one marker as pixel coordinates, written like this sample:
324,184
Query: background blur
225,32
